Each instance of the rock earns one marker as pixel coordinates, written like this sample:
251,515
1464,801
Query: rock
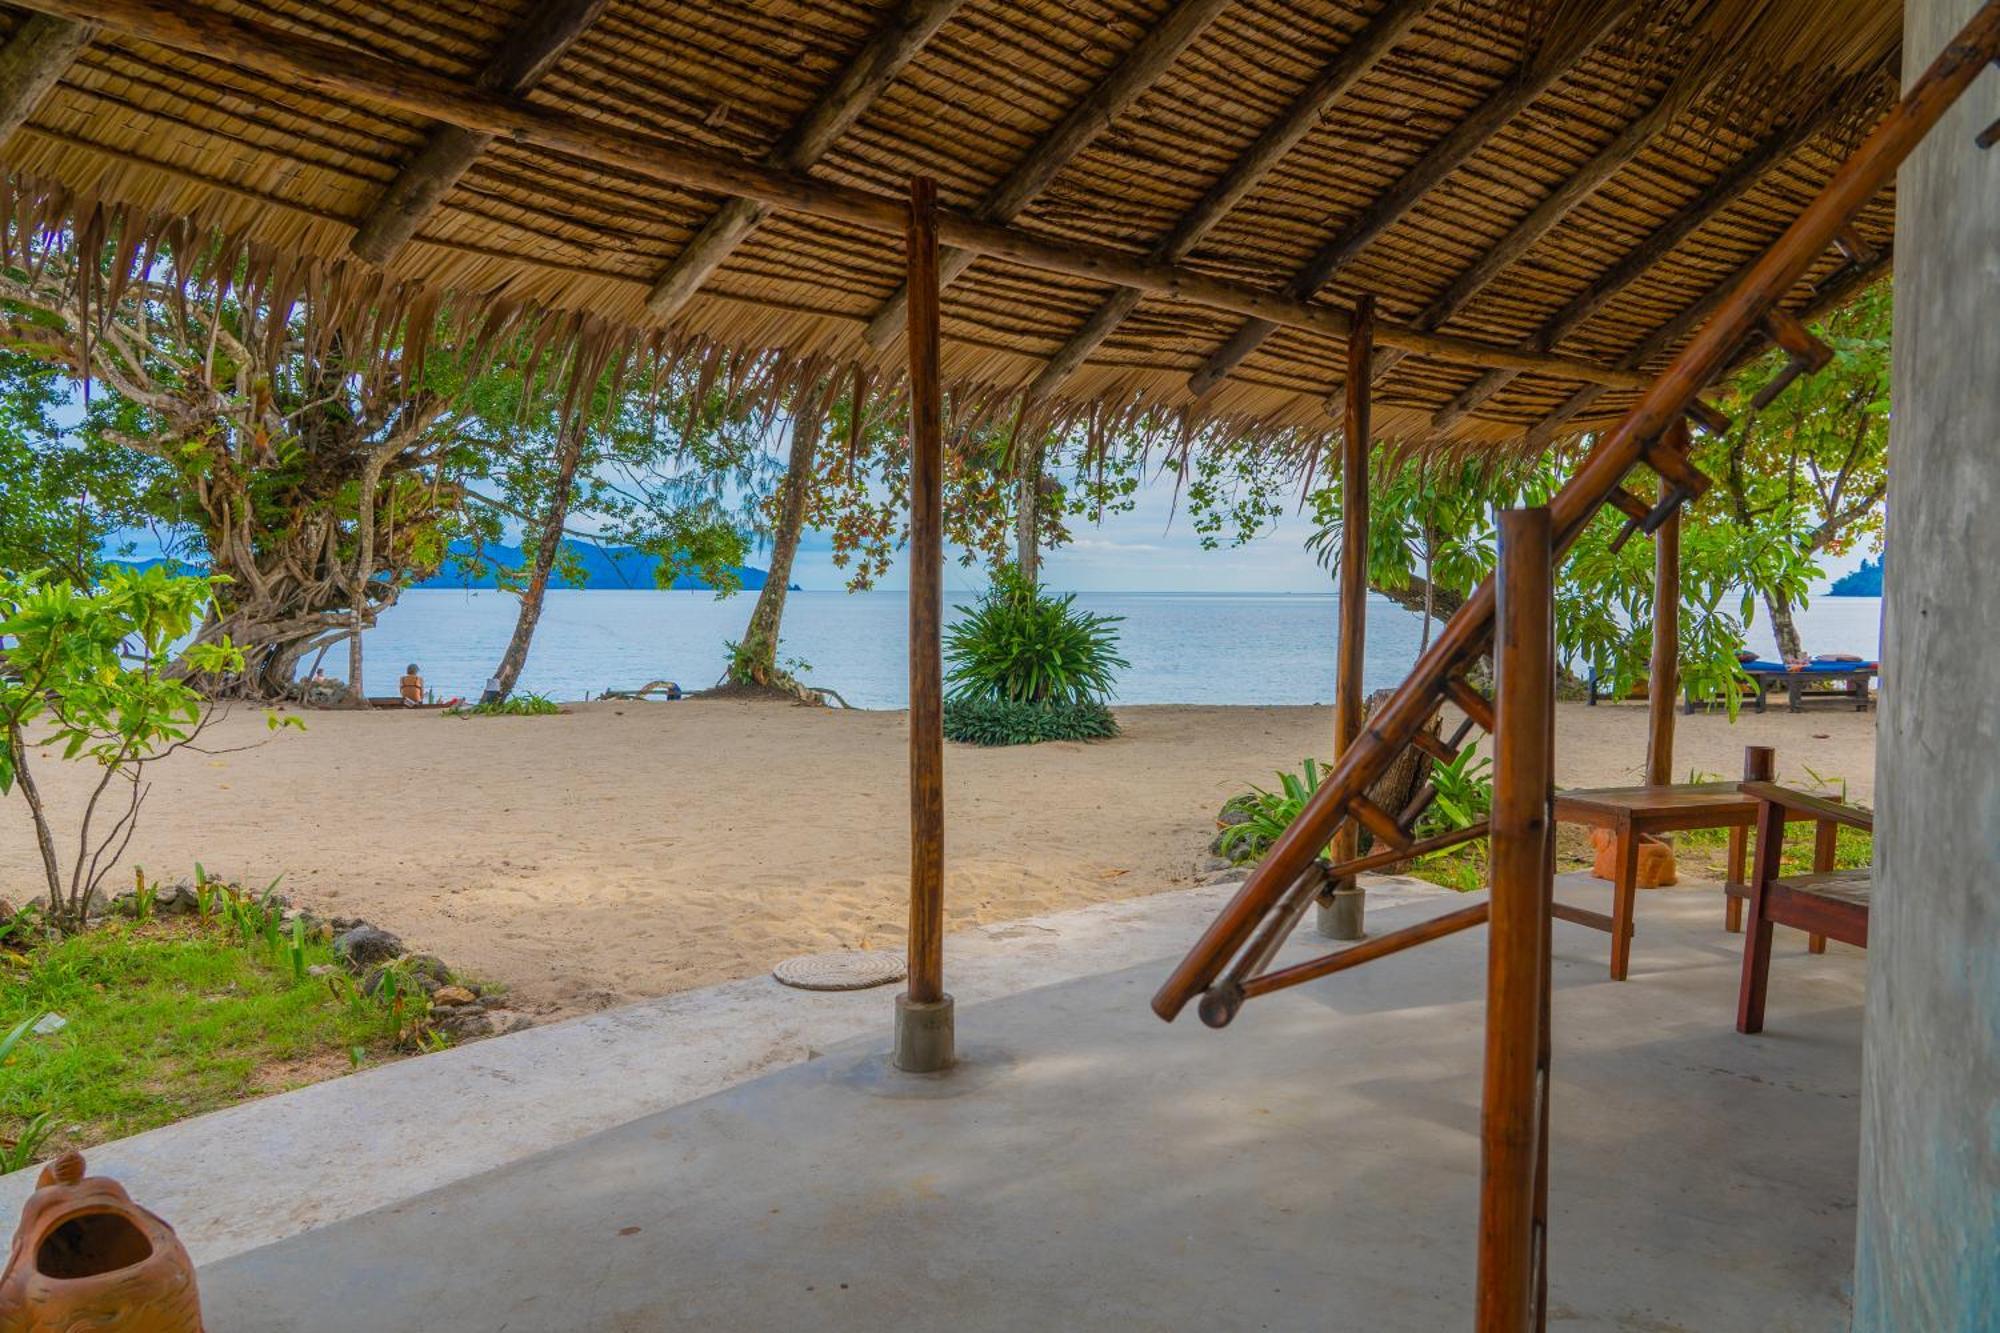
365,946
177,900
453,995
48,1023
465,1022
321,970
511,1022
428,971
1217,862
341,923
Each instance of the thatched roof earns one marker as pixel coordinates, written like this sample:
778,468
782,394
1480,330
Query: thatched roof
1571,177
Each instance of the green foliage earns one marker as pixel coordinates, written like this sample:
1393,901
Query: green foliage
1464,794
524,704
1007,722
1022,645
1270,813
89,671
62,495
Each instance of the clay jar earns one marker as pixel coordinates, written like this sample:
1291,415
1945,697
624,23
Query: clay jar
1656,860
86,1256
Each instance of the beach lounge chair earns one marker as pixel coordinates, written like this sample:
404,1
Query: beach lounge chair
1828,902
1853,674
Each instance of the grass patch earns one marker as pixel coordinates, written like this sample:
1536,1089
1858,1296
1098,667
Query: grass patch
170,1018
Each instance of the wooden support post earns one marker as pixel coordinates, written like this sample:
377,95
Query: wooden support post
1340,915
1663,687
924,1014
1512,1118
1760,764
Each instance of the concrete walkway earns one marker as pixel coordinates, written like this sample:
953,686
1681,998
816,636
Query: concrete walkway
1313,1167
268,1169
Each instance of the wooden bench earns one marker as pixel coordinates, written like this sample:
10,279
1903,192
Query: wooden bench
1829,903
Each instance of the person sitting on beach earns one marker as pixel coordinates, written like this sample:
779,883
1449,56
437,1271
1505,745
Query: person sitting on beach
412,688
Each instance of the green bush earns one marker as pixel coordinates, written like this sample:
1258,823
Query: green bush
1001,722
1023,645
525,704
1269,813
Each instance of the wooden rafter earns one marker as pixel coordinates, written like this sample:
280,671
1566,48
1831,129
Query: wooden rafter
1730,187
1373,42
1142,65
421,185
333,69
1445,157
892,47
32,62
1608,162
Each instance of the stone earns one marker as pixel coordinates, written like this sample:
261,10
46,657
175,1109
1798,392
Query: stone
465,1022
365,946
1656,860
453,995
48,1023
321,970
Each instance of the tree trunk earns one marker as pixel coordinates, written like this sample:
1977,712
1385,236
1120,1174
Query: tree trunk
1784,628
356,693
569,454
1027,510
759,651
45,841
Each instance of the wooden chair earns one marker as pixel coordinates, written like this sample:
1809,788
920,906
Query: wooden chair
1828,902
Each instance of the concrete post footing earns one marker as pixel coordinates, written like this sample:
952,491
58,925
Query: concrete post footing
1340,915
924,1035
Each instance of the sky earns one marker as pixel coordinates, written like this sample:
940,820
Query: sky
1150,549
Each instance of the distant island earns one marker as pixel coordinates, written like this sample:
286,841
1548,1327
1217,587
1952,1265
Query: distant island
1863,582
604,567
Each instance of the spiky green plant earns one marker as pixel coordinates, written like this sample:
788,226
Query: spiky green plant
1021,644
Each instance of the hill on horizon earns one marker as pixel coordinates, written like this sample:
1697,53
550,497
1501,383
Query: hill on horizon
1863,582
605,567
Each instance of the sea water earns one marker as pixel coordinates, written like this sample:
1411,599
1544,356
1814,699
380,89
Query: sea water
1194,648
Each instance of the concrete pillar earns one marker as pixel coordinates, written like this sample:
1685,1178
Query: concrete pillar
1928,1242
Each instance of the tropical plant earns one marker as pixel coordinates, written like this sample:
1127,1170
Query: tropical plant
1269,813
1022,645
1004,722
526,704
27,1143
1464,796
91,672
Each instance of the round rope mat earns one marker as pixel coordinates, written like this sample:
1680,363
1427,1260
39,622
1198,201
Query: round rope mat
846,969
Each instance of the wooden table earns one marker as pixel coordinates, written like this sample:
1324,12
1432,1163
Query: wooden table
1631,813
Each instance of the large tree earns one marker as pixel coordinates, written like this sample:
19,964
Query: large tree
313,461
1810,471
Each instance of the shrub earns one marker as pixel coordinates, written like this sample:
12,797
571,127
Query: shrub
1270,813
1023,645
1001,722
514,705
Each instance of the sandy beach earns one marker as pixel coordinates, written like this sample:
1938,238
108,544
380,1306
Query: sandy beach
628,850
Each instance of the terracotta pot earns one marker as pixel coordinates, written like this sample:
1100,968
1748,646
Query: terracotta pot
86,1256
1656,860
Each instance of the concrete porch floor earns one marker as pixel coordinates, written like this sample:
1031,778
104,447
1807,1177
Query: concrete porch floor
1313,1167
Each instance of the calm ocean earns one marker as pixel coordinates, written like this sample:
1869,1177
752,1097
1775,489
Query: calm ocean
1213,648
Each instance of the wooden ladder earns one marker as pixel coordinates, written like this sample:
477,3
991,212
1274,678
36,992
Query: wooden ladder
1230,964
1227,964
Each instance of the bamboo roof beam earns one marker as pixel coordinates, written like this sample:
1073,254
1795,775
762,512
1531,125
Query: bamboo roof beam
1140,68
1444,157
1738,181
1831,294
892,47
1360,55
421,185
339,70
32,62
1610,160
